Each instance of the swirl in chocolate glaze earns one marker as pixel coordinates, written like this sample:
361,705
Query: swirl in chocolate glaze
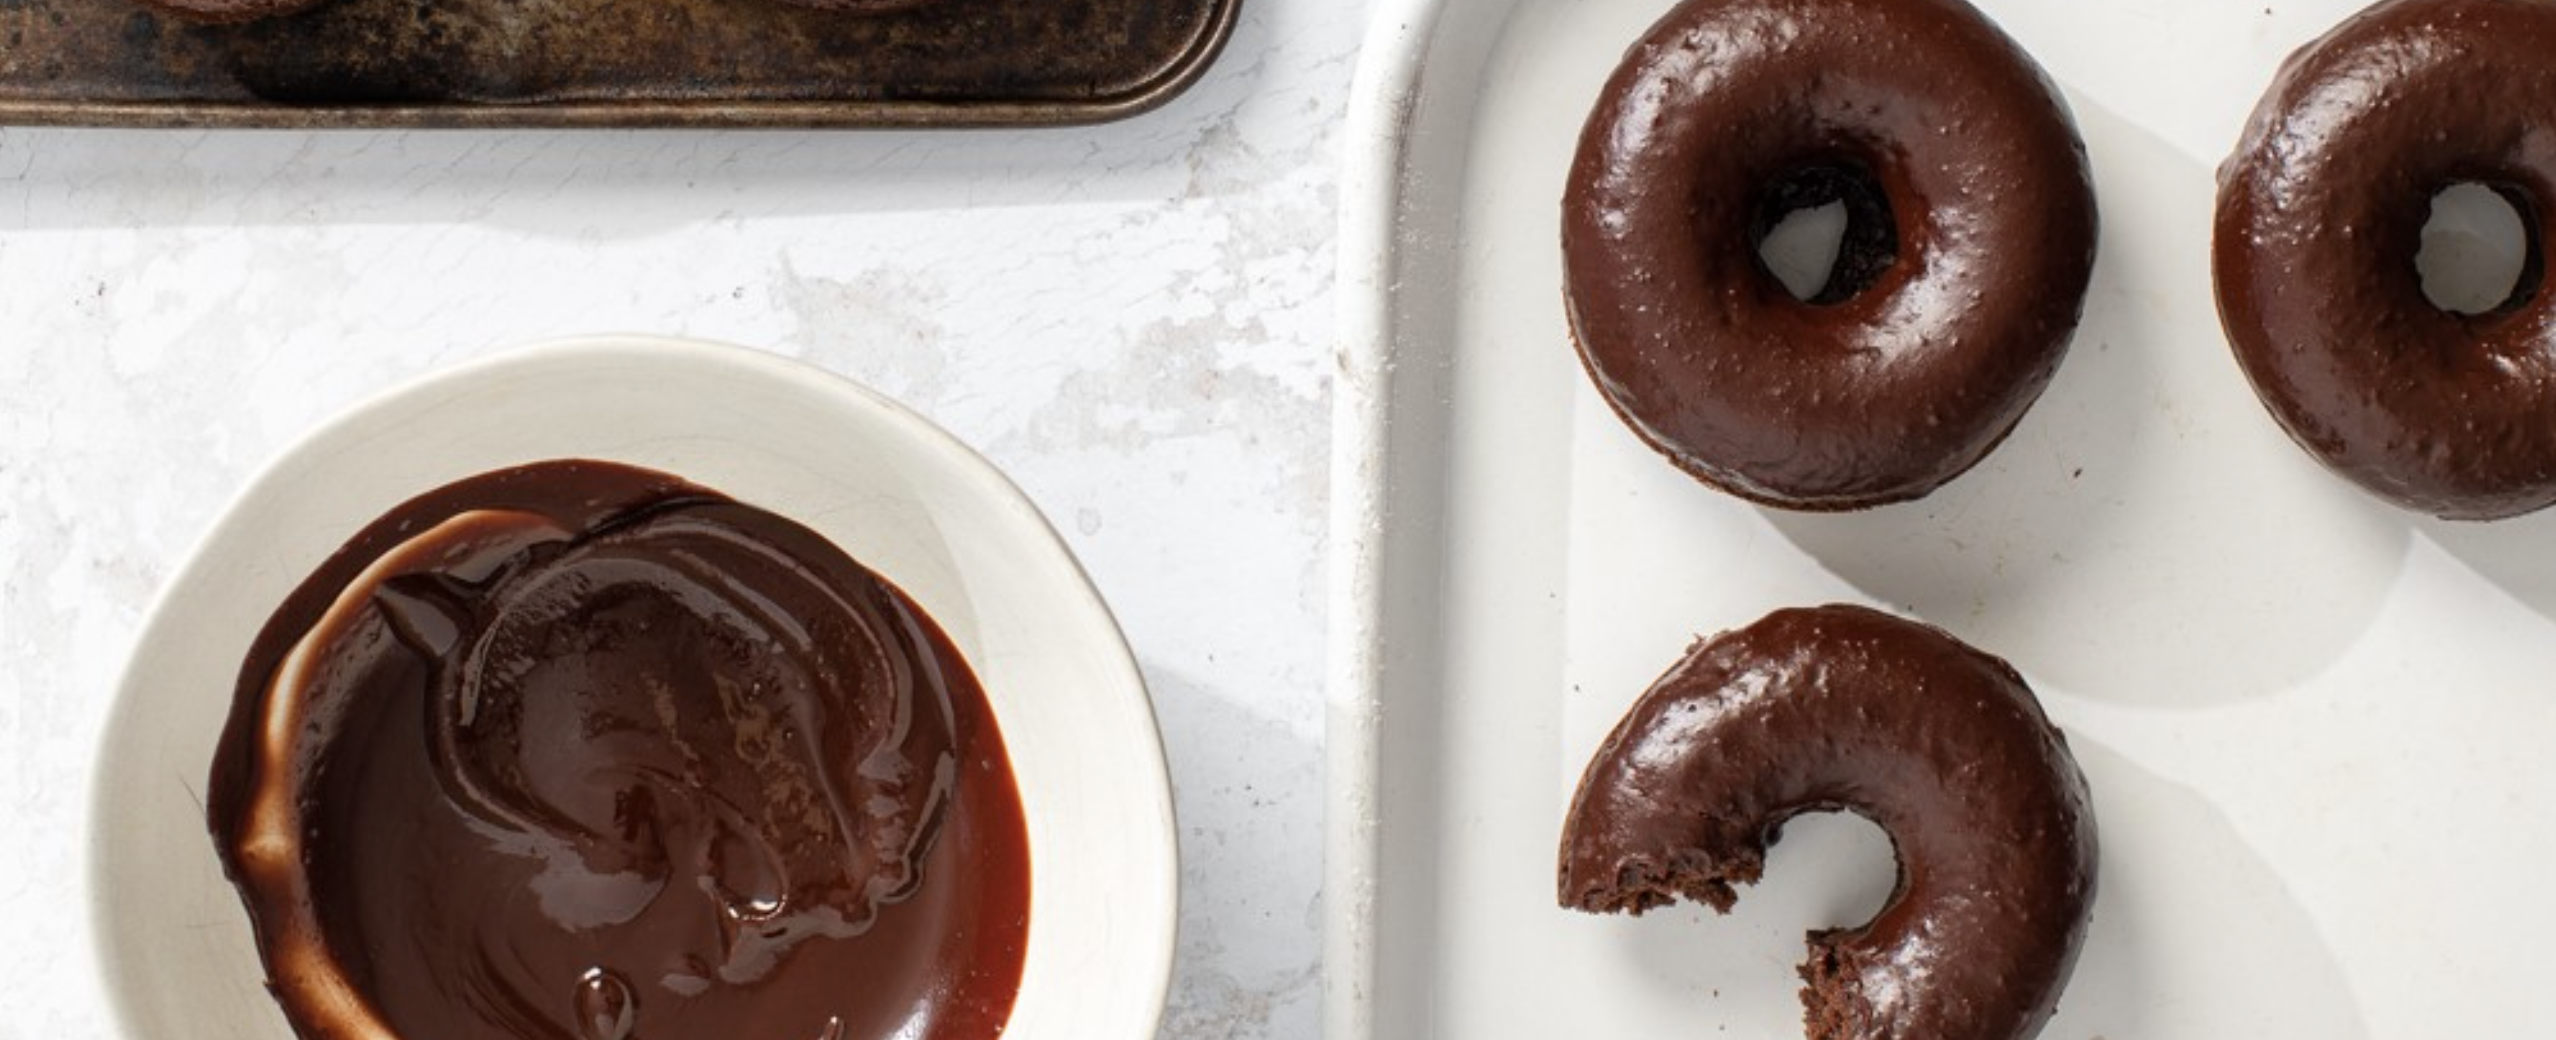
578,750
2320,213
1970,239
1841,707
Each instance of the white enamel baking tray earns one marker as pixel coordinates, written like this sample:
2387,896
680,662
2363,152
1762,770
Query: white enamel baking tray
2315,726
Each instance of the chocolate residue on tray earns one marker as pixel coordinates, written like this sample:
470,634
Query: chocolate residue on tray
579,750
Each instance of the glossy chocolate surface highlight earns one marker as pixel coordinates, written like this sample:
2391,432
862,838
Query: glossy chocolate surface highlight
1842,708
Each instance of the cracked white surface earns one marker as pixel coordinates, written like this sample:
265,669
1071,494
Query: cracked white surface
1133,320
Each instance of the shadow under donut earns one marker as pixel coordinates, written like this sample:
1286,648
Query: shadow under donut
2177,876
2147,535
2516,555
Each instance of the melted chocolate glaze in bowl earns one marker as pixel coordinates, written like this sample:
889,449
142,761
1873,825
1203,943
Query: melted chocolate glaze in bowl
582,750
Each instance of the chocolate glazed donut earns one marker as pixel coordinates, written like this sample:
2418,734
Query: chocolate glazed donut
2321,210
1970,238
1841,707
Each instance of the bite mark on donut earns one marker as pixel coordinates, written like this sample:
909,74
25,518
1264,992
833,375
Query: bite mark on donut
1833,1004
1645,882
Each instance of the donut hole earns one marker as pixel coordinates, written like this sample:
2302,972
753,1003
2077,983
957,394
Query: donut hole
1801,249
2479,253
1824,232
1836,868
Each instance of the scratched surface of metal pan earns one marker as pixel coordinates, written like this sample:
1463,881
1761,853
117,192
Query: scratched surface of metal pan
500,63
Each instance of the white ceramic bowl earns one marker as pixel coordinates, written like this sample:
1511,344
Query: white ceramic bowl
896,492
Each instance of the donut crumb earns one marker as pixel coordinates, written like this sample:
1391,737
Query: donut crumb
1832,1002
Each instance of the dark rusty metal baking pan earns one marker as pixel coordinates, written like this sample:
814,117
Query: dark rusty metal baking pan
604,63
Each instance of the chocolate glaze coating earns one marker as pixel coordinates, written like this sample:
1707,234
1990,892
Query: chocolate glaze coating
1845,708
1972,219
2320,213
581,751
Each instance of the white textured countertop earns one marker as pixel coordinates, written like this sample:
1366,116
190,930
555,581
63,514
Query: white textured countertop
1133,320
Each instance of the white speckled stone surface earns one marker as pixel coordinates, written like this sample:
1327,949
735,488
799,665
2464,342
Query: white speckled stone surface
1133,320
